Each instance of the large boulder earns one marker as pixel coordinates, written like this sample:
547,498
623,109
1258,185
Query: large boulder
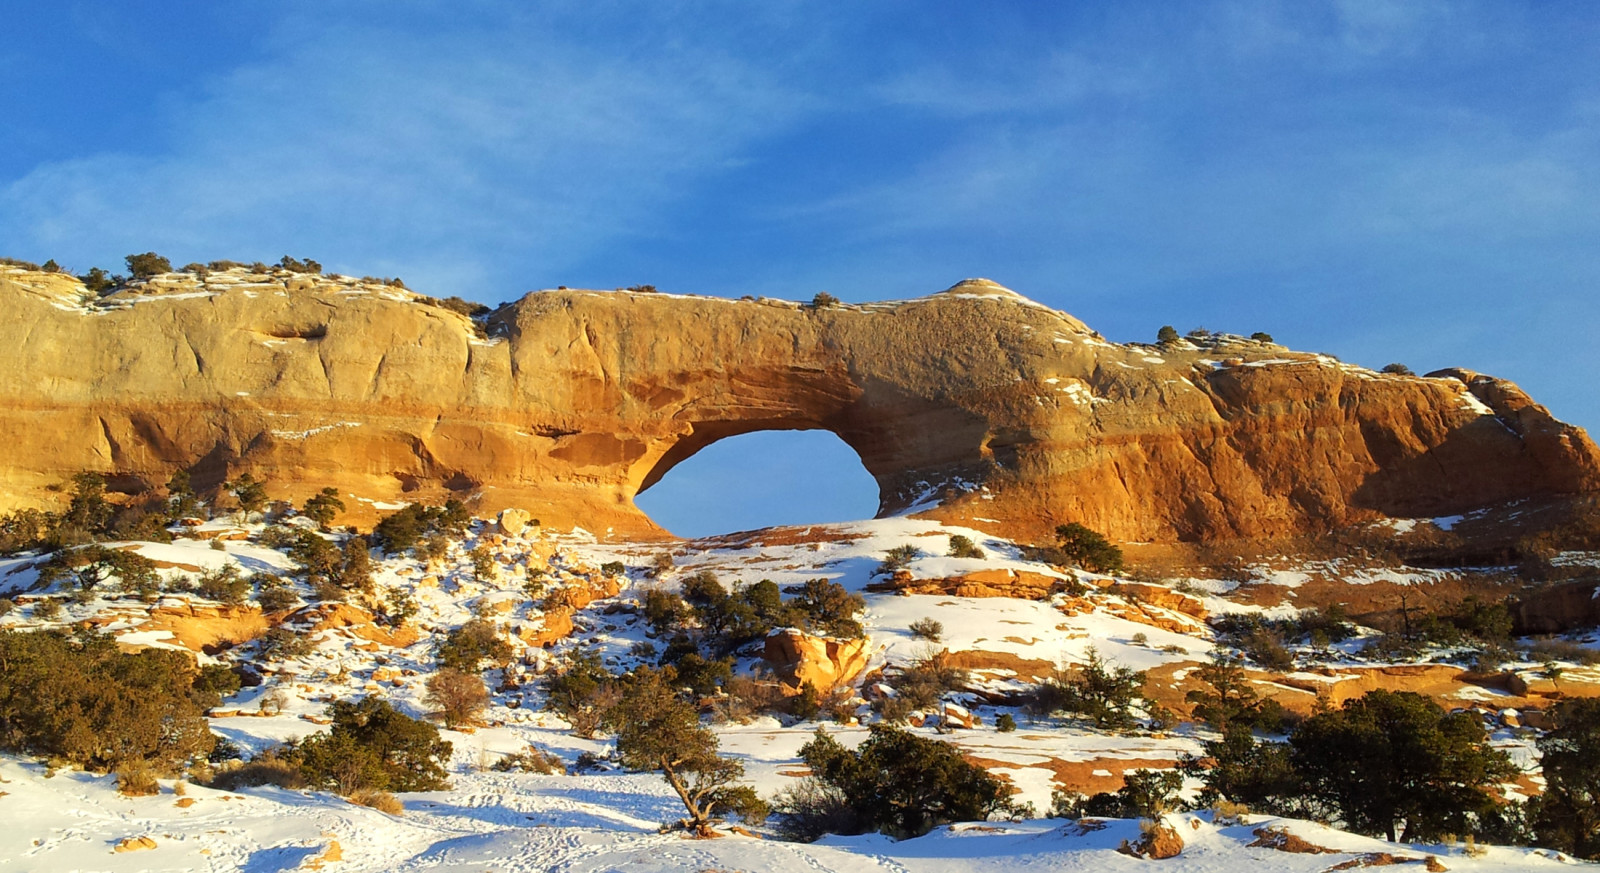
799,658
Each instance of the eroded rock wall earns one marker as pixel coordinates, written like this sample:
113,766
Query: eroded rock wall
974,404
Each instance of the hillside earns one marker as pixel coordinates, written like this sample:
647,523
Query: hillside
1008,621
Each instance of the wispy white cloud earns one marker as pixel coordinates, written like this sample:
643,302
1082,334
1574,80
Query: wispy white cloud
431,155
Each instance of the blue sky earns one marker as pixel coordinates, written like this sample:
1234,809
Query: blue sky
1384,181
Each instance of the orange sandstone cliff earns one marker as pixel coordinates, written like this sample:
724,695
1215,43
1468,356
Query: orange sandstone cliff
974,404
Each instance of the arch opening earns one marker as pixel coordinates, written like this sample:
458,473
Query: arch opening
759,479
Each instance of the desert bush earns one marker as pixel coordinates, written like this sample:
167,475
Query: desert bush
927,629
1567,815
1398,370
1167,334
747,696
459,697
99,282
898,558
658,730
295,265
581,691
1088,549
927,679
382,801
267,768
963,547
613,568
829,609
146,265
407,528
823,300
1544,649
282,644
1262,336
136,779
373,746
469,647
531,760
896,783
223,585
1393,760
1099,692
1231,699
273,593
78,698
1144,794
1005,723
484,567
893,709
46,609
323,507
213,682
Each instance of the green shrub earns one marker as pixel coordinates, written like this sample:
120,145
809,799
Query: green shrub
273,593
148,264
78,698
406,528
99,282
1393,759
963,547
897,558
1262,336
1144,794
324,506
581,691
1567,815
829,609
659,731
282,644
295,265
1098,691
372,746
1167,334
824,300
1088,549
896,783
470,646
223,585
1398,369
1005,723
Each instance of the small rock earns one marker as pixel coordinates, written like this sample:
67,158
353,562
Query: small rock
134,844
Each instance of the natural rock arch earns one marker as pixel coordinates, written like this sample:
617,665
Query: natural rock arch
760,478
984,406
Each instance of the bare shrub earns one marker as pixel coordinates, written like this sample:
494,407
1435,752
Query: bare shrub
382,801
460,697
137,780
531,760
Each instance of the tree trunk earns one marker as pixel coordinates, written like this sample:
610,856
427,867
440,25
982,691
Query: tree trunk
697,819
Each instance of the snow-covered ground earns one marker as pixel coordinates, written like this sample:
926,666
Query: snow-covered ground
607,821
509,823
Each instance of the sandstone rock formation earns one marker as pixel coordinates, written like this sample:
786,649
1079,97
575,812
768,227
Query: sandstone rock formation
974,405
799,658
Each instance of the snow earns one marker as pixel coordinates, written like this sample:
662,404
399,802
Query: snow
521,823
607,821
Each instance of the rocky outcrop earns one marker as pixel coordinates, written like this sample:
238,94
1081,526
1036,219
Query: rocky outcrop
974,405
1000,582
799,658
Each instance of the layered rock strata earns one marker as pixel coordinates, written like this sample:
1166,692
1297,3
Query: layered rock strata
973,405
